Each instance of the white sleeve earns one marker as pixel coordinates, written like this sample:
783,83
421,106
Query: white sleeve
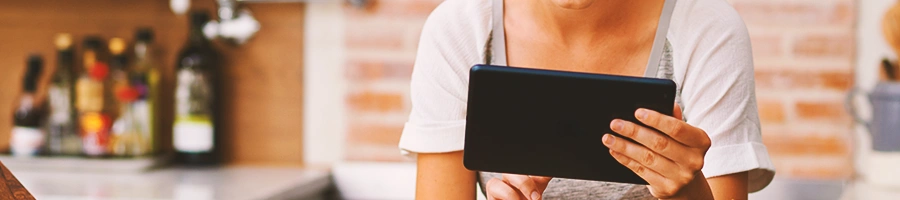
452,42
712,48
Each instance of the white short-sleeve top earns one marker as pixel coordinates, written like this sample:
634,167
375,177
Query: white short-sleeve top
711,63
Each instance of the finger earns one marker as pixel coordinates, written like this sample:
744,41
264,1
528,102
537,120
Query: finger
651,139
524,184
649,159
674,128
542,182
657,182
497,189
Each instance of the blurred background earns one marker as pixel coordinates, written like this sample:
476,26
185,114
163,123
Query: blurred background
309,97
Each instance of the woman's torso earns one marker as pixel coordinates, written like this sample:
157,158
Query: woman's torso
559,188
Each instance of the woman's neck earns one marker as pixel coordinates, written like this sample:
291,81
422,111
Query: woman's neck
612,18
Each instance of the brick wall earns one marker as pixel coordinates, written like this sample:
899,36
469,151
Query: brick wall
804,55
381,43
803,50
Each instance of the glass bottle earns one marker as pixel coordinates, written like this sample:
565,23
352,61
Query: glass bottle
27,138
63,136
194,130
123,133
144,77
91,99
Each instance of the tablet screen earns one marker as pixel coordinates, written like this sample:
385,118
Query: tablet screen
550,123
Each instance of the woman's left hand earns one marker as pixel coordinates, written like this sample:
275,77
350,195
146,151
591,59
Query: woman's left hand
669,159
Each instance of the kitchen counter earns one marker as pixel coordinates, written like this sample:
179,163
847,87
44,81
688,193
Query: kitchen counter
353,181
180,183
861,190
795,189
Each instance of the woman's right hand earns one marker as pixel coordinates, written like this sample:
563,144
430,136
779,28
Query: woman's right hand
517,187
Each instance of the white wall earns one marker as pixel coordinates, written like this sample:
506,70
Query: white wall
871,48
324,85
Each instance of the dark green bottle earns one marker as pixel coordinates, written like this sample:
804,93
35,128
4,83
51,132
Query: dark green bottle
27,137
195,132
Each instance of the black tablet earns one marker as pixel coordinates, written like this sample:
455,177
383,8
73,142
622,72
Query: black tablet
550,123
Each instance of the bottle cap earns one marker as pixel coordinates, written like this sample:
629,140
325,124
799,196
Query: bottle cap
199,17
144,34
93,42
63,41
35,65
116,46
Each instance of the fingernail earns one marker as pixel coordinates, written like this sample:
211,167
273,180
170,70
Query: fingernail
617,125
641,114
609,139
535,195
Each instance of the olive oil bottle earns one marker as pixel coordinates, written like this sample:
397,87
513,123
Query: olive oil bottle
195,128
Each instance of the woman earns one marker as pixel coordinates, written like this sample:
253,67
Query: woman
710,150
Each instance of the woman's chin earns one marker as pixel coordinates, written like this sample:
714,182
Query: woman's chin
573,4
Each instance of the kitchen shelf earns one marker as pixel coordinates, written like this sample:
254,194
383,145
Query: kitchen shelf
83,164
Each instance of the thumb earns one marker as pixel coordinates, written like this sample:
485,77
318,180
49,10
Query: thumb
677,112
